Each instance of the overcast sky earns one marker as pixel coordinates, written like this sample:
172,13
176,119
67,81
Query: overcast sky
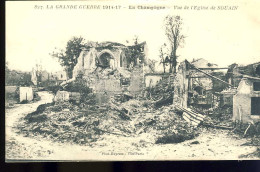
221,37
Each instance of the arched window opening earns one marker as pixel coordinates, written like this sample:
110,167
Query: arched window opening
104,60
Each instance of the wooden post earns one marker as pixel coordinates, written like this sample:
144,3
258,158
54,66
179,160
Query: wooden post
247,129
240,117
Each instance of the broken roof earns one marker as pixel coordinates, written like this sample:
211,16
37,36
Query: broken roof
91,44
251,69
203,63
140,44
110,44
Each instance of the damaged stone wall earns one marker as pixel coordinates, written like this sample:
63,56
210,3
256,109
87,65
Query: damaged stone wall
136,82
25,94
242,104
105,88
11,89
63,96
104,83
180,96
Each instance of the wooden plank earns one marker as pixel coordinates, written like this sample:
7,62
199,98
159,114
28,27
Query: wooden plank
193,112
195,124
190,118
198,77
215,68
250,77
198,116
185,116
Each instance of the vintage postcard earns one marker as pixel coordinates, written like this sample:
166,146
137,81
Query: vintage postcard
132,80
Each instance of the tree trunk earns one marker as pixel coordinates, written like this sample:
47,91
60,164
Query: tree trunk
174,62
69,73
171,62
164,67
170,69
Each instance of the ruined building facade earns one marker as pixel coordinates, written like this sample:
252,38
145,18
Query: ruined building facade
111,68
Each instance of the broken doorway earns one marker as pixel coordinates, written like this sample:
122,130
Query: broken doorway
255,105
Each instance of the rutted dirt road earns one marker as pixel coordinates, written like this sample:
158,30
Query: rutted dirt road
17,146
211,144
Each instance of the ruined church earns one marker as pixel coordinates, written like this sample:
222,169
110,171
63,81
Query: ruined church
112,68
110,55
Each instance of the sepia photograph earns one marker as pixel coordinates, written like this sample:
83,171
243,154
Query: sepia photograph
132,80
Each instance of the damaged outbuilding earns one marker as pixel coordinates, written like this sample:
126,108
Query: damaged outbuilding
246,101
245,92
239,89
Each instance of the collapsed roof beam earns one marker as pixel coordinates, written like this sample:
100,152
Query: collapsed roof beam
208,74
214,68
251,77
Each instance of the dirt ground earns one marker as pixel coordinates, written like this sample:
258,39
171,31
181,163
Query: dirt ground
211,144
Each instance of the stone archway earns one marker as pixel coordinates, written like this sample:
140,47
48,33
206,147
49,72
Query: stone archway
106,59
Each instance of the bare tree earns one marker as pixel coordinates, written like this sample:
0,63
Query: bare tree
173,28
163,56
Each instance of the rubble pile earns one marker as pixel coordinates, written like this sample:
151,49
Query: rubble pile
66,122
162,93
173,128
220,117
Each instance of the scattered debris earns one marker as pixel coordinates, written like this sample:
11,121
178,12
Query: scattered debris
172,111
174,138
195,142
252,155
84,124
